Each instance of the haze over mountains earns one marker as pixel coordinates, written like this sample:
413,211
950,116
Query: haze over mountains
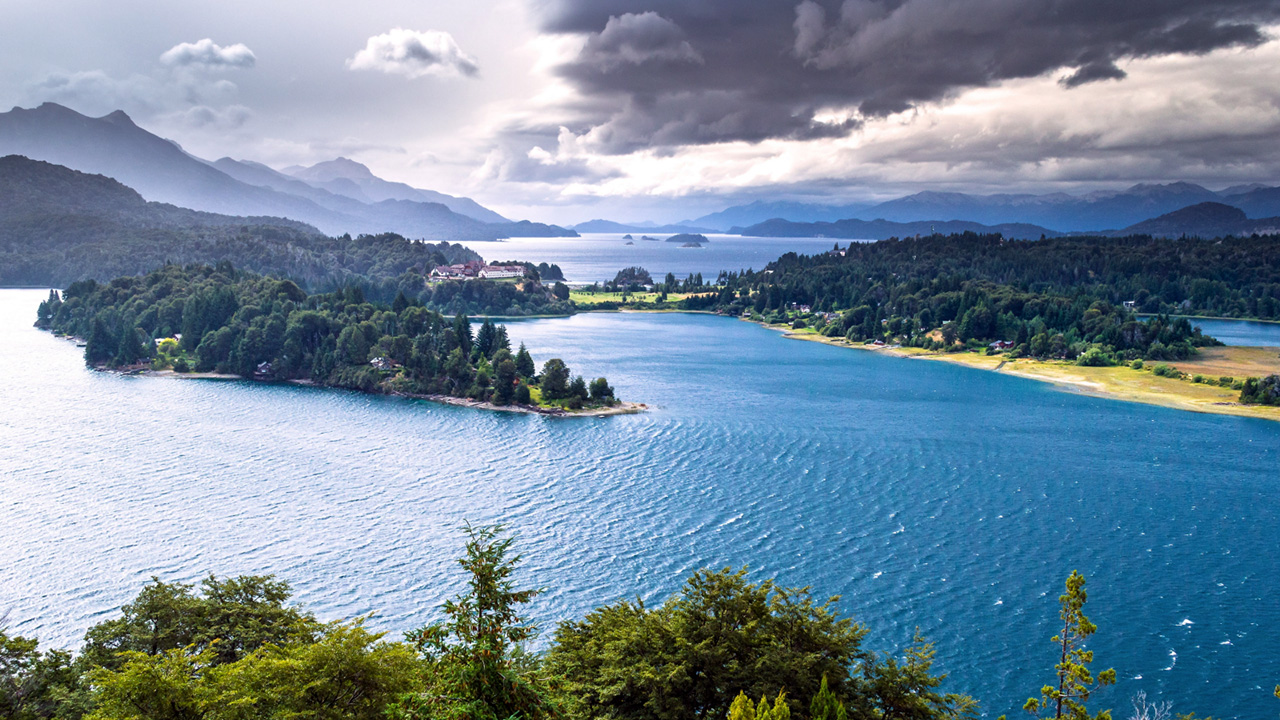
1057,212
343,196
162,171
59,225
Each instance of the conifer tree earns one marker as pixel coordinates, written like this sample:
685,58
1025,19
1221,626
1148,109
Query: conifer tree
1075,681
473,657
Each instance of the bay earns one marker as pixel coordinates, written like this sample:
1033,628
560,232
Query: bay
597,257
925,494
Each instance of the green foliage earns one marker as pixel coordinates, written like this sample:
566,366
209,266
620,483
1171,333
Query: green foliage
474,667
262,327
905,689
825,705
690,656
34,684
1261,391
1075,681
601,392
347,673
1055,298
230,619
743,709
554,380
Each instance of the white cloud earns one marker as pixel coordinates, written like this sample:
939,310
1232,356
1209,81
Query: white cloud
208,54
414,54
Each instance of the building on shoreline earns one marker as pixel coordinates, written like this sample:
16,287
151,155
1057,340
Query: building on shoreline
476,270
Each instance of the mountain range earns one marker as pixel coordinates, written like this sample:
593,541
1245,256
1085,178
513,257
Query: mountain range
59,225
1207,219
340,196
1096,212
609,226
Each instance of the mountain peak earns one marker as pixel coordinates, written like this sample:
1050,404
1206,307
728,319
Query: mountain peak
340,168
119,117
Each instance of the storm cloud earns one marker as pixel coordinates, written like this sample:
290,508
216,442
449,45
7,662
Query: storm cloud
723,70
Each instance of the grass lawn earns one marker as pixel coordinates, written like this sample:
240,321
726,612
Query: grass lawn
587,299
1236,362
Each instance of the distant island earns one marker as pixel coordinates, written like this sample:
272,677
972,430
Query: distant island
687,238
204,321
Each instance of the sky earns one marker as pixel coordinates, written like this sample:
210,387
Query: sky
567,110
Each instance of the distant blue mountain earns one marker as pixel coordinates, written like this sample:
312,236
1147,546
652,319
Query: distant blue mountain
1205,220
884,229
1093,212
608,226
761,210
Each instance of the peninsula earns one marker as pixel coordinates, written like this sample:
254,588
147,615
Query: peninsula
203,321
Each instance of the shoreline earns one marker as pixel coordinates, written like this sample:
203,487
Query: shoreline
1119,382
622,408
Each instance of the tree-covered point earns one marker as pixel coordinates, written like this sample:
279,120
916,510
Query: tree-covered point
1233,277
1074,298
219,319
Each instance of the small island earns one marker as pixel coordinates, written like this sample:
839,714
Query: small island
218,322
627,237
688,239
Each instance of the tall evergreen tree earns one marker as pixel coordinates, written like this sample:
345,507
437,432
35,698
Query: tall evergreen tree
1075,681
524,363
473,657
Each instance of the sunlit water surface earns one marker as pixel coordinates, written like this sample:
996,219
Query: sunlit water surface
923,493
596,257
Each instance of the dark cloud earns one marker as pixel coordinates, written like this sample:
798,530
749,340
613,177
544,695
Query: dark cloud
638,39
715,70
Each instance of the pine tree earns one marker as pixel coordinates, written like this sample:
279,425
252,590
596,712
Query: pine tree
474,669
1075,681
524,363
825,705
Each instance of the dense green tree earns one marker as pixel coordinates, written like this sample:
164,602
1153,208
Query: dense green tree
524,363
35,685
474,656
1262,391
346,673
554,380
906,689
600,391
504,378
690,656
462,332
231,617
1075,681
560,290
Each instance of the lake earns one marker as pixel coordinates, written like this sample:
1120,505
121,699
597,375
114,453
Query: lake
597,257
925,494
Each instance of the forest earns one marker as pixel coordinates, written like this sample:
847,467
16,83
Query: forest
723,647
1070,298
218,319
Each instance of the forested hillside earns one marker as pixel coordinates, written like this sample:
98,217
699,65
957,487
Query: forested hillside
1061,297
58,226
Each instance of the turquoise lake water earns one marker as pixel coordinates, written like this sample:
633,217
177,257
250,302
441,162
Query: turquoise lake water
925,494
